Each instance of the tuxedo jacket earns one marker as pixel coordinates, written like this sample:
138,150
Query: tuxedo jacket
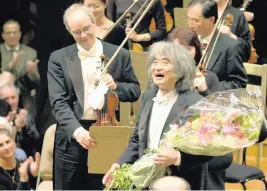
66,88
193,168
226,62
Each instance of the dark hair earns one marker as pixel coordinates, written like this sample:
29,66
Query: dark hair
209,9
4,131
187,36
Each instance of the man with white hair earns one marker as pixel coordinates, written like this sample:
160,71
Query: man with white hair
72,74
27,136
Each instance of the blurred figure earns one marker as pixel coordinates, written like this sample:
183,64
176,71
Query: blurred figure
170,183
21,61
27,135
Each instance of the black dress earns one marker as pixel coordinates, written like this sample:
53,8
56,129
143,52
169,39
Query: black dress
117,7
116,36
6,182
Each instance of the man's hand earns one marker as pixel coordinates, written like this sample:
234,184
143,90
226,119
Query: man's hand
85,140
226,30
167,156
107,179
200,82
32,66
15,60
109,81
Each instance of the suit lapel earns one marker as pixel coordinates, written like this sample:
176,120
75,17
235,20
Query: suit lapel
176,110
75,70
144,121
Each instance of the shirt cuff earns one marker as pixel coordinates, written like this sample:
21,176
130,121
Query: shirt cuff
77,131
178,162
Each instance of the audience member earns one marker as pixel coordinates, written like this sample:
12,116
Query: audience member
27,136
170,183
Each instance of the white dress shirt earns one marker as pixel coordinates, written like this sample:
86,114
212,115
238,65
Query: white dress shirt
15,50
160,111
91,71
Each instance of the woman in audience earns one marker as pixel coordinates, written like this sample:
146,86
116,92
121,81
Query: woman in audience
142,34
103,24
13,174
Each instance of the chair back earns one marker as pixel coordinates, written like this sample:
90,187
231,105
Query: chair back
46,163
180,17
260,71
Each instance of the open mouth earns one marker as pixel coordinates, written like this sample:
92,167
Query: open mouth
159,76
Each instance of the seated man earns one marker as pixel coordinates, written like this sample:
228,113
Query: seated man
20,60
27,136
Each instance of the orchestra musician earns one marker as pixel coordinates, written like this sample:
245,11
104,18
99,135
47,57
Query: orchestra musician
72,73
226,58
142,34
239,29
226,62
103,24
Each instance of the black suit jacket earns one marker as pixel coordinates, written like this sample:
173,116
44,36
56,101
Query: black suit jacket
193,168
66,89
241,29
226,62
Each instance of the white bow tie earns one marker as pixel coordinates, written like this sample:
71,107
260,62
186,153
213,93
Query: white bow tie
161,101
85,54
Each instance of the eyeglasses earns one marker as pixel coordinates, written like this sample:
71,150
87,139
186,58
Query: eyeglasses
192,20
15,33
86,30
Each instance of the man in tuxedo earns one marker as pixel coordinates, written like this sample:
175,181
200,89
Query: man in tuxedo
226,62
226,59
72,74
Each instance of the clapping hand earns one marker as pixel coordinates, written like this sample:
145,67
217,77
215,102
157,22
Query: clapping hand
35,164
32,66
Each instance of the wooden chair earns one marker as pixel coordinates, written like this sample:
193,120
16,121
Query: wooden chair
140,68
44,181
260,71
180,17
185,3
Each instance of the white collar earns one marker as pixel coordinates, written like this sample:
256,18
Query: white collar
166,97
9,48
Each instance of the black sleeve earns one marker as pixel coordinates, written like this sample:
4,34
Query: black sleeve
111,10
236,73
159,16
244,37
58,96
131,154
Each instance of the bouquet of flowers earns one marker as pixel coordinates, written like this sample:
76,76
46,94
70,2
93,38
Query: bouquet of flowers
216,125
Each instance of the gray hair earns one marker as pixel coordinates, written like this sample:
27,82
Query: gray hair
4,123
11,21
77,7
10,86
183,61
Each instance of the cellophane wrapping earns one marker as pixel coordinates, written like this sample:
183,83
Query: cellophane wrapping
216,125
